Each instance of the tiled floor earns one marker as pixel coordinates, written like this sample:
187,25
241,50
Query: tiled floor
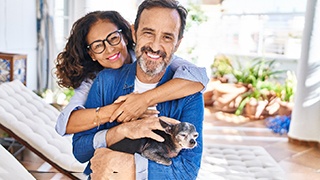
299,162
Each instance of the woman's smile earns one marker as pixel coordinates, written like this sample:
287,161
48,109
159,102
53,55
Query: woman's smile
114,57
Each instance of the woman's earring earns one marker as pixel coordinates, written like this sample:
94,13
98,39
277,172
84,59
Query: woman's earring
93,60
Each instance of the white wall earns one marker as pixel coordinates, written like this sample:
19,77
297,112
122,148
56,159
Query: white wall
18,33
126,8
305,122
2,27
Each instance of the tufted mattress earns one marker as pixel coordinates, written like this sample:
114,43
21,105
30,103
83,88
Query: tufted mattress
237,162
10,167
31,120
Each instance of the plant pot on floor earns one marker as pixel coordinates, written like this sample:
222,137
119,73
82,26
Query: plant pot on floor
285,108
227,96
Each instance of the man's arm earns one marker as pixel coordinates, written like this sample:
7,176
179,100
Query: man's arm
105,161
187,164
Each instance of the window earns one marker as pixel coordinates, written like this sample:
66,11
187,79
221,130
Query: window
62,22
268,34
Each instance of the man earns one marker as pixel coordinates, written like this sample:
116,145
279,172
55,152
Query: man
158,31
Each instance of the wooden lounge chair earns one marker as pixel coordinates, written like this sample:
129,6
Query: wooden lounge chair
31,121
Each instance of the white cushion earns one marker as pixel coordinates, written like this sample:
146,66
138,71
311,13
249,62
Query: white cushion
10,167
33,120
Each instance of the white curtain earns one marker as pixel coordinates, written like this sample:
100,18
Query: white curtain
46,47
305,123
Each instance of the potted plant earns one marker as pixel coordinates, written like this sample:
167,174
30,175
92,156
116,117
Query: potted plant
287,94
257,70
221,67
258,78
260,101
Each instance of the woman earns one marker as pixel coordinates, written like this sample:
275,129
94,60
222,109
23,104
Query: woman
102,39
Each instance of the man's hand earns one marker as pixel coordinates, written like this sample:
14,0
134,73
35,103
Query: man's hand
137,129
142,128
107,165
134,106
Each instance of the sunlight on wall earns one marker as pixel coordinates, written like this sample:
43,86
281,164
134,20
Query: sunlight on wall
126,8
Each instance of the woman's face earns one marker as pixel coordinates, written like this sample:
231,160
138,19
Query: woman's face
113,56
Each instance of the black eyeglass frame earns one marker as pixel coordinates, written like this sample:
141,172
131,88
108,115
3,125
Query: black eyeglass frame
104,41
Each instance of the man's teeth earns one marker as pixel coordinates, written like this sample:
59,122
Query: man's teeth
153,56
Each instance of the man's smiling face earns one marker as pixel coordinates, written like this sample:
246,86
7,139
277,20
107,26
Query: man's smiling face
156,39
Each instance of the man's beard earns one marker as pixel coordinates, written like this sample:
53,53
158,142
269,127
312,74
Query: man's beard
152,68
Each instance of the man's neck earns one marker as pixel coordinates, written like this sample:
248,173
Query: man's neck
143,77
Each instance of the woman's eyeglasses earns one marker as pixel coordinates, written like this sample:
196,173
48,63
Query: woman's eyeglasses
99,46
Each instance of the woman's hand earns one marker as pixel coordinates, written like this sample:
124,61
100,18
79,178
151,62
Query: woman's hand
134,106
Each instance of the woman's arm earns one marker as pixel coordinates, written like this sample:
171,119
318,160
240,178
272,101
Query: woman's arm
75,118
76,102
84,119
188,79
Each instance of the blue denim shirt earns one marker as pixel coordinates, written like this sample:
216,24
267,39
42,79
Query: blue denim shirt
108,86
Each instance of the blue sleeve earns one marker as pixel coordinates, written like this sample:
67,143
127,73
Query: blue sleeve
82,142
187,164
186,70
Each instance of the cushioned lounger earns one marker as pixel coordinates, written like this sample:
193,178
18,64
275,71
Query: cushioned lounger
31,121
10,167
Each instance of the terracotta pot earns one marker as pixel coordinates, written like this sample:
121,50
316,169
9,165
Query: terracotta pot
207,97
208,94
255,109
285,108
227,96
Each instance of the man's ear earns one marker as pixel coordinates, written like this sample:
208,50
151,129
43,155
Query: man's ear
177,45
133,33
167,126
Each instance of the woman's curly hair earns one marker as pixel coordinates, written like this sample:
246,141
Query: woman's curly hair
74,64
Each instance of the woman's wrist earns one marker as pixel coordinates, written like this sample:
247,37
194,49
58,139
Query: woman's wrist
106,112
150,97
